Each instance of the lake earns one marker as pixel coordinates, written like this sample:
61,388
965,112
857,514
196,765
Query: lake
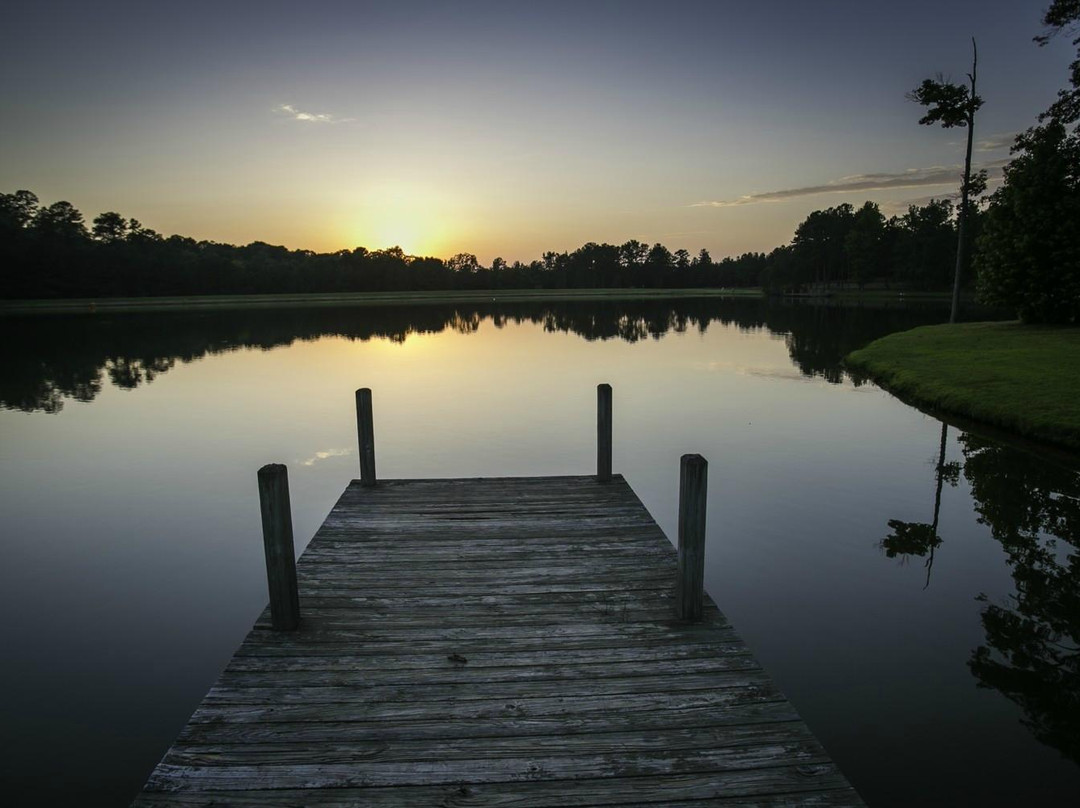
913,588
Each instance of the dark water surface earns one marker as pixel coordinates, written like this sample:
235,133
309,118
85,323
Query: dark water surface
921,610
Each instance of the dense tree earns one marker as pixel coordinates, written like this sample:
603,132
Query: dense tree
924,245
47,252
954,105
1029,256
864,244
819,244
60,221
17,211
110,228
461,262
1030,248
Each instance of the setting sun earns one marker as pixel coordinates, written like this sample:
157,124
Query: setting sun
411,217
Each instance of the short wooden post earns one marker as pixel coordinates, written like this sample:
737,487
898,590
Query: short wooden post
366,431
690,584
278,544
603,432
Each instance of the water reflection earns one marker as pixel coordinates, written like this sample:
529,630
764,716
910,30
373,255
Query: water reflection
909,539
52,359
1032,647
1032,650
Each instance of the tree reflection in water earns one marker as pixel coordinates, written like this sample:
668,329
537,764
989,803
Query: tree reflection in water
918,538
49,359
1032,650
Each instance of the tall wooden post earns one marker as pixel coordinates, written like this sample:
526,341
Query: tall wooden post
603,432
690,584
366,432
278,544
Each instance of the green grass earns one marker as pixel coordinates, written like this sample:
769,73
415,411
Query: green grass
1025,379
201,302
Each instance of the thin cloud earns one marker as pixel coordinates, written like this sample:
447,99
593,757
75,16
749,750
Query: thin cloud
309,117
912,178
995,142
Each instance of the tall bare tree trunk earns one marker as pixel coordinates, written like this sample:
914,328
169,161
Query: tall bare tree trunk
961,242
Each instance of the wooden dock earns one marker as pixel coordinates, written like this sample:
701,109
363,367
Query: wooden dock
494,642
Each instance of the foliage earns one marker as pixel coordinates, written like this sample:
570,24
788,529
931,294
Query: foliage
955,105
1029,256
951,105
47,252
1064,15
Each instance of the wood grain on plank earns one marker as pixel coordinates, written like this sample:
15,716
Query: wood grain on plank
495,642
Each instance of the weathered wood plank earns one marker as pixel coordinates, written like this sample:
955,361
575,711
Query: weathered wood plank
331,730
505,642
819,785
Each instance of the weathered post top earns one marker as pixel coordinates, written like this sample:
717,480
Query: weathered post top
603,432
690,584
278,546
366,433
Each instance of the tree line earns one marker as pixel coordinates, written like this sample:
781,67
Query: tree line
1026,252
48,251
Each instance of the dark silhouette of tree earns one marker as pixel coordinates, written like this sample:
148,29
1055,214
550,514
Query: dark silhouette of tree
924,245
864,244
110,228
954,105
47,253
1064,15
1029,256
17,211
59,222
819,245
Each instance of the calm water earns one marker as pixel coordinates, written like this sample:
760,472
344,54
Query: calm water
921,611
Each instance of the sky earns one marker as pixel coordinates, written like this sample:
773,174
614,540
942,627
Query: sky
503,129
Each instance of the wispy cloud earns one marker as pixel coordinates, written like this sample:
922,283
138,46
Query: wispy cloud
912,178
324,455
996,142
310,117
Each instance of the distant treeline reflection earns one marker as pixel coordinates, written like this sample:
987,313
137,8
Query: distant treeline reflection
51,359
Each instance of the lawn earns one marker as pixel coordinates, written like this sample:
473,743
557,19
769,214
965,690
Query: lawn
1023,378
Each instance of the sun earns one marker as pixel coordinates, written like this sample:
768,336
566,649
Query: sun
408,216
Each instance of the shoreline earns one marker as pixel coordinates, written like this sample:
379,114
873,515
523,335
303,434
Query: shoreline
221,302
1004,376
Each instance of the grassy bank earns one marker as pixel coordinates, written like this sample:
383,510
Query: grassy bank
202,302
1021,378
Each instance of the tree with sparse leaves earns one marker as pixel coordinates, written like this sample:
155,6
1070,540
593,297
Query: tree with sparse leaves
954,105
1064,15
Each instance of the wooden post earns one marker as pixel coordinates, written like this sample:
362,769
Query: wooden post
366,431
603,432
278,544
690,584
